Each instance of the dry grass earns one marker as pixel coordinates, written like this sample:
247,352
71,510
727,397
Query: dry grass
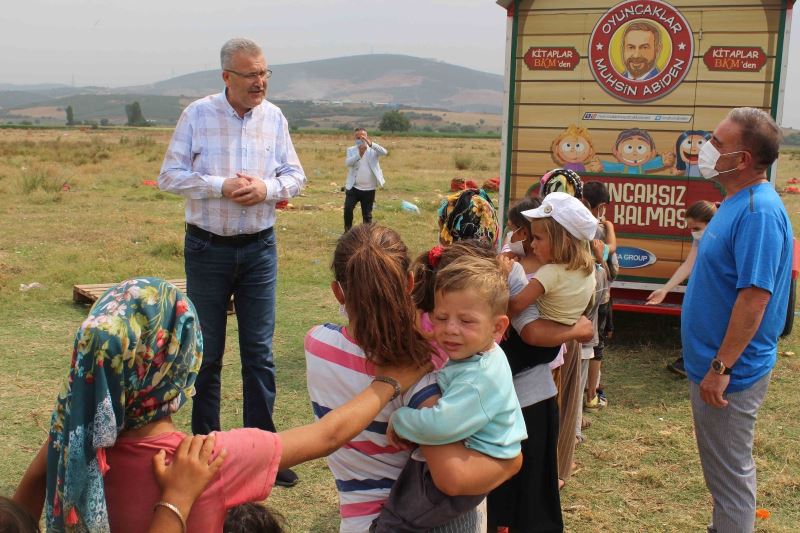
639,468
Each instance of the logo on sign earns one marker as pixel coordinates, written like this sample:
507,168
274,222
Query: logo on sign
640,50
551,58
735,58
632,257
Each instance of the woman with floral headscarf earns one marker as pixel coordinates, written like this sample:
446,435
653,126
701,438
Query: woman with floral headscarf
468,214
134,363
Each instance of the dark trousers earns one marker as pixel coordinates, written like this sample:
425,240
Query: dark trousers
353,196
416,504
214,272
529,502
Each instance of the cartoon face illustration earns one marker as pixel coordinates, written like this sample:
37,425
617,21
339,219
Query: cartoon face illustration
635,153
641,45
687,150
573,150
634,147
572,146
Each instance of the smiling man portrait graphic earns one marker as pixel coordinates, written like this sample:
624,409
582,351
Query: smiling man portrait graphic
641,46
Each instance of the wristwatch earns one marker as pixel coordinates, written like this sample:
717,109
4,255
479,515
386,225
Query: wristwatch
720,368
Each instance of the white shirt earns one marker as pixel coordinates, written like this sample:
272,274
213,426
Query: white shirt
365,178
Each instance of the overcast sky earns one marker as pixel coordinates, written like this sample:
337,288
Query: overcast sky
116,43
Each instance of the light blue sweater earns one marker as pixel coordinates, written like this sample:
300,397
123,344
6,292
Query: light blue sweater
478,404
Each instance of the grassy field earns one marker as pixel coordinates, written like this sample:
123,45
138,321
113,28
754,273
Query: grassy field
638,470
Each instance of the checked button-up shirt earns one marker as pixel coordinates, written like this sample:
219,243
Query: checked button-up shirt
211,143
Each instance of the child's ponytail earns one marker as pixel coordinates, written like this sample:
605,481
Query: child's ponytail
371,265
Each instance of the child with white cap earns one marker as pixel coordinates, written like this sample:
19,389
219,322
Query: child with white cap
563,287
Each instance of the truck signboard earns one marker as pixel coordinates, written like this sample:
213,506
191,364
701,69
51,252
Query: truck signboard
627,93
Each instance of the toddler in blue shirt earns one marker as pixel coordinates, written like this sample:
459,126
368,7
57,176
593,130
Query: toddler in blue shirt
478,405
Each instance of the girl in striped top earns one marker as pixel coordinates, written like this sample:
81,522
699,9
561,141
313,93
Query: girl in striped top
372,284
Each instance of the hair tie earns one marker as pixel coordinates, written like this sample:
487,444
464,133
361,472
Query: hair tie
434,255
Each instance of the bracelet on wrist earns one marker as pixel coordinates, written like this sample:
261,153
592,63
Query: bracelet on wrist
175,510
391,381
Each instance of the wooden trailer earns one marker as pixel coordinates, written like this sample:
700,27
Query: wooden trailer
626,93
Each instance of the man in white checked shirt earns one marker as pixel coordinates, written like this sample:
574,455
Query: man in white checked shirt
231,157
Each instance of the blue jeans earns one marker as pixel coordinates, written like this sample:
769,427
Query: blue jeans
214,272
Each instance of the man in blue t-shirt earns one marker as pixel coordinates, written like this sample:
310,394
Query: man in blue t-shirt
735,309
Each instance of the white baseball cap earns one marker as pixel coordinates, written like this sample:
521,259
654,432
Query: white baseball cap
567,211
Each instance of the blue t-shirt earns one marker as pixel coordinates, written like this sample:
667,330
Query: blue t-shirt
747,244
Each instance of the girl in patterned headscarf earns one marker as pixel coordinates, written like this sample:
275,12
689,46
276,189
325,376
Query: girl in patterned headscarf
468,214
134,363
562,180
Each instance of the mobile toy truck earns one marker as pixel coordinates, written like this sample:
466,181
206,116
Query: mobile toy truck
626,93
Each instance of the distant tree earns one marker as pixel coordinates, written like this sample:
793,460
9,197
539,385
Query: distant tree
104,122
135,116
394,121
70,116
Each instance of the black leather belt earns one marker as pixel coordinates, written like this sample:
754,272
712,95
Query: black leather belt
228,240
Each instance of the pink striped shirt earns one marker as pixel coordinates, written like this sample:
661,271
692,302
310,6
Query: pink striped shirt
366,468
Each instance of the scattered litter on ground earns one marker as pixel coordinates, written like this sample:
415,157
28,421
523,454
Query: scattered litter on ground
28,286
787,353
792,190
409,207
65,187
763,514
150,183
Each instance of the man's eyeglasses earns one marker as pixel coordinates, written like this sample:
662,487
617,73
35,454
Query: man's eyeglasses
252,76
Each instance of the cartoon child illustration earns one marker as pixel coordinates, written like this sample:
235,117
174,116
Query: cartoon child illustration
687,150
573,150
636,153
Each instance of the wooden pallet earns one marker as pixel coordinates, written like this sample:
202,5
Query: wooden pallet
88,294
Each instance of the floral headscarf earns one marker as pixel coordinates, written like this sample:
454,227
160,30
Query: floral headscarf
563,180
468,214
135,360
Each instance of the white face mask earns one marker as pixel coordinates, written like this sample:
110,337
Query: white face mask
516,248
707,161
697,235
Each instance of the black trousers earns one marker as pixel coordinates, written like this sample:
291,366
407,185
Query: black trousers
351,198
530,502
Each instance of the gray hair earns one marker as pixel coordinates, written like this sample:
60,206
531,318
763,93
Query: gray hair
235,46
760,135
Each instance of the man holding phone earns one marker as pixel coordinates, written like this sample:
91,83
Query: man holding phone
364,176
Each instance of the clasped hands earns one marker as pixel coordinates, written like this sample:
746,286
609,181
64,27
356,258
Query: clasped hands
245,190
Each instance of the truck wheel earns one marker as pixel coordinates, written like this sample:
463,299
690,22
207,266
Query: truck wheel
787,327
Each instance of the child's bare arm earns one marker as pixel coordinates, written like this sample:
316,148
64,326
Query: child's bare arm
544,332
525,297
31,490
680,275
611,237
339,426
459,471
